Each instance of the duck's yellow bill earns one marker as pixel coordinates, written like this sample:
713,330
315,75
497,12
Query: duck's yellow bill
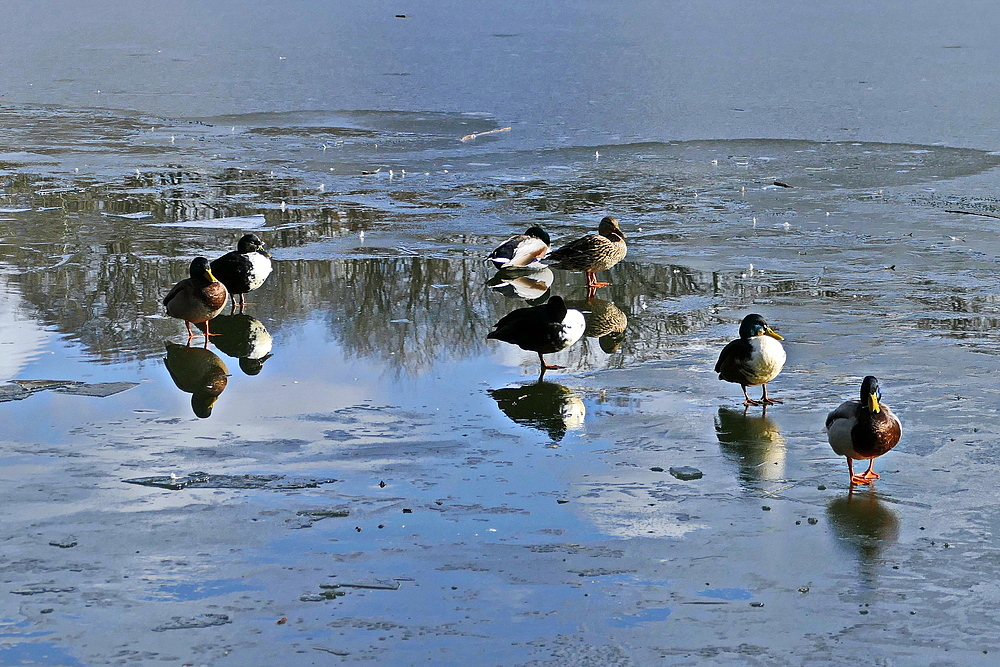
208,273
873,403
772,333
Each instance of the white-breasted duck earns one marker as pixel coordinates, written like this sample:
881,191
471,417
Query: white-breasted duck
755,358
864,429
244,269
545,329
522,251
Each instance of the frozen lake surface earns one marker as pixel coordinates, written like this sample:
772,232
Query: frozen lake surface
389,486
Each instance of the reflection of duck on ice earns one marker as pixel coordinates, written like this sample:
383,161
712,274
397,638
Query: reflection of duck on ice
515,284
753,442
199,372
546,406
863,524
605,322
243,337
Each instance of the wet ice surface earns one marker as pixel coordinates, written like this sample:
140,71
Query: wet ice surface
474,511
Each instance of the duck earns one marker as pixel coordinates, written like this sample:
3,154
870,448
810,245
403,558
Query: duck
545,329
755,358
522,251
592,253
864,429
244,269
197,299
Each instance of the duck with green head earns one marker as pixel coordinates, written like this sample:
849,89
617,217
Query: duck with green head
755,358
522,251
864,429
197,299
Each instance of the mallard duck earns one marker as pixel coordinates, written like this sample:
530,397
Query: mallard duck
198,298
592,253
546,328
244,269
522,251
755,358
864,429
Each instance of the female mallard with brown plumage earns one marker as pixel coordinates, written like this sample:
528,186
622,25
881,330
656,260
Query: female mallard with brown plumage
592,253
864,429
197,299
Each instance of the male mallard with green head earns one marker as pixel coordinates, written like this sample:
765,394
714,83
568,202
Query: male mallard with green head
864,429
545,329
197,299
522,251
244,269
755,358
592,253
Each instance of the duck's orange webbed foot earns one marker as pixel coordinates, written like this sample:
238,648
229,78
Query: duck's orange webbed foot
857,480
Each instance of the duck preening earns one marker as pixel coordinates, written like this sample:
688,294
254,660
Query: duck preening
522,251
545,329
592,253
864,429
244,269
755,358
197,299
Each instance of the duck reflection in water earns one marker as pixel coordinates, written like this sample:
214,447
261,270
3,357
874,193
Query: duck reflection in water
546,406
242,337
531,286
754,442
864,526
199,372
605,321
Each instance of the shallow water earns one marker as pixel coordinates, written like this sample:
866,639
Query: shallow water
367,477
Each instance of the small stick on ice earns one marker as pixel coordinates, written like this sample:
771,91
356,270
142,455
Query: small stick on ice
475,135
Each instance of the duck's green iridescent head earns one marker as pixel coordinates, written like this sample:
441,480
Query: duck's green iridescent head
538,233
755,325
200,268
871,394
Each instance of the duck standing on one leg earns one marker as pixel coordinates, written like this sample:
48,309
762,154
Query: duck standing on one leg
755,358
545,329
197,299
592,253
522,251
864,429
244,269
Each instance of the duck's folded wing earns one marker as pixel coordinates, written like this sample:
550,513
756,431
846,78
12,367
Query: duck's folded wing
527,251
576,250
846,410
